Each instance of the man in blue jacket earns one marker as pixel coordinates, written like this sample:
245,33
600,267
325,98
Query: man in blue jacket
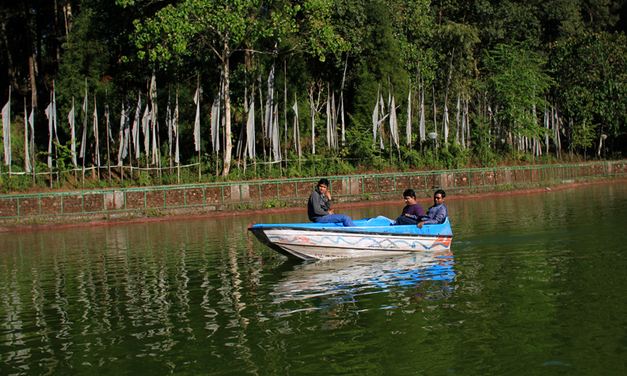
438,212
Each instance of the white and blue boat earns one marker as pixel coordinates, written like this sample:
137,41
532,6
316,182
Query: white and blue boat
369,237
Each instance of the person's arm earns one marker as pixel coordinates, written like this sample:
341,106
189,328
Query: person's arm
327,202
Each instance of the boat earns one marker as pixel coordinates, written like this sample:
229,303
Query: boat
369,237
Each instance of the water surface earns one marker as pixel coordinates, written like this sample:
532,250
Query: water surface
533,284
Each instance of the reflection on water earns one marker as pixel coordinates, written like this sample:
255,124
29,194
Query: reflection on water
348,279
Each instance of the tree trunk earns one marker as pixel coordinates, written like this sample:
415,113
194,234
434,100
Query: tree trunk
228,145
10,66
32,39
67,15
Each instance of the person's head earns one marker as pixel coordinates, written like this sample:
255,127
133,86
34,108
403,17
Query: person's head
323,184
438,196
409,196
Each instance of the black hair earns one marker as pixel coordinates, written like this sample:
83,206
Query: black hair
409,193
441,192
323,181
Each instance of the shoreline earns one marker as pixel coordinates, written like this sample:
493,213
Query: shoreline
55,225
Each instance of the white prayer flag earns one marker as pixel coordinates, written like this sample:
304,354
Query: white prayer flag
250,129
146,131
393,123
84,137
215,123
276,143
422,129
175,126
49,111
342,118
72,122
269,104
408,126
296,129
445,121
123,136
154,123
375,119
136,125
381,120
197,120
95,128
329,120
168,122
6,130
27,163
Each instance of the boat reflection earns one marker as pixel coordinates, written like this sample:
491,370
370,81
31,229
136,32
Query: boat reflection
346,279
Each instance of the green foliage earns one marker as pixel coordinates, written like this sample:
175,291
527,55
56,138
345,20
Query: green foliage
583,136
144,179
591,74
482,142
455,157
517,81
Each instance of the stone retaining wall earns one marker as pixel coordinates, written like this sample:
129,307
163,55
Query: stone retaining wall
199,198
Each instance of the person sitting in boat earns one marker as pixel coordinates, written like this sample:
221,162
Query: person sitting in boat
412,211
438,212
319,206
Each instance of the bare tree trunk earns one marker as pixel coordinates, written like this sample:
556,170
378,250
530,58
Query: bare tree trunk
228,144
67,14
32,33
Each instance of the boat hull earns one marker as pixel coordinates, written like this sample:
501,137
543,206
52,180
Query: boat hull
332,242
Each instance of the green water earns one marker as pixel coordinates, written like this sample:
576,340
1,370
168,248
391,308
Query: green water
533,285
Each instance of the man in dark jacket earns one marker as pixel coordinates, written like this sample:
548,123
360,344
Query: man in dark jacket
412,212
319,206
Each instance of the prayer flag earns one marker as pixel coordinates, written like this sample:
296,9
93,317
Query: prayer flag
27,163
375,119
269,104
276,143
215,122
175,126
84,137
146,131
422,129
95,128
123,136
6,130
154,124
393,123
197,120
168,122
296,128
72,122
250,128
408,126
49,111
445,121
136,125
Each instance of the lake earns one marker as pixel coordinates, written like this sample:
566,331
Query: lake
533,284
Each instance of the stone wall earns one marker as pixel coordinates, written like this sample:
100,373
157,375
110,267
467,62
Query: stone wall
190,199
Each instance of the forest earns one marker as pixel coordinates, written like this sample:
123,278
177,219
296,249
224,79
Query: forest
99,93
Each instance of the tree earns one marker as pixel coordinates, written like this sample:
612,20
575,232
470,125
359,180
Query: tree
591,77
193,27
517,82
